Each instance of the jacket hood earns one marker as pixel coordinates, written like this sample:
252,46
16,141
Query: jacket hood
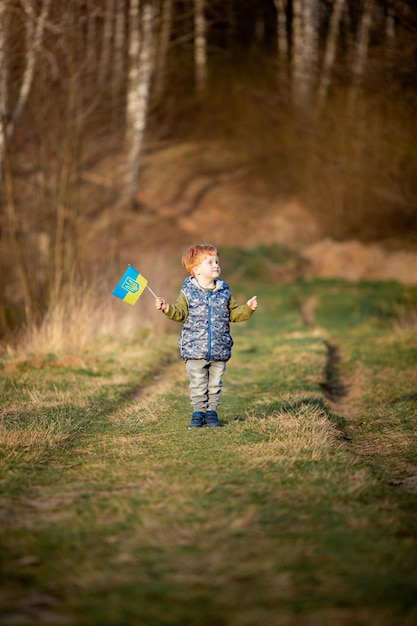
219,283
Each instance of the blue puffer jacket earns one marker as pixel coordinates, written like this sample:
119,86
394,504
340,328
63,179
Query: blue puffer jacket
206,331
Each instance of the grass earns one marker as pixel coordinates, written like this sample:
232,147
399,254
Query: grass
301,510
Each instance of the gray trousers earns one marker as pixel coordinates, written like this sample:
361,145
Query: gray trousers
205,383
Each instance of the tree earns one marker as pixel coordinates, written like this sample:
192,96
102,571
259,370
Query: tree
304,50
281,9
361,51
107,41
34,26
329,52
200,45
3,122
4,71
65,64
139,80
34,29
163,47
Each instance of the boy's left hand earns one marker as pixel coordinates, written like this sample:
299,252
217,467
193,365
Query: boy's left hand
253,303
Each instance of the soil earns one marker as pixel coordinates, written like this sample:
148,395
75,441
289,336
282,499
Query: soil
192,193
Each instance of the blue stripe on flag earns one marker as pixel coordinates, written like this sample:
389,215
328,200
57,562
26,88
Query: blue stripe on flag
131,286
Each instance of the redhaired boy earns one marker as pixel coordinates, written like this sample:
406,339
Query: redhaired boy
205,307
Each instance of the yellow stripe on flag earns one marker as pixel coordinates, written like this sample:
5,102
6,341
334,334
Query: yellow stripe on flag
133,296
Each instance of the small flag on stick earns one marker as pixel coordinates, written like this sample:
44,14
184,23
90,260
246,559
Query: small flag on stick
131,286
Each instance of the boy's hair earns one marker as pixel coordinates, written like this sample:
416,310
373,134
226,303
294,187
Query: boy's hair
195,254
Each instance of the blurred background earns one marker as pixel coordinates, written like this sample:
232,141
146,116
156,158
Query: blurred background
133,128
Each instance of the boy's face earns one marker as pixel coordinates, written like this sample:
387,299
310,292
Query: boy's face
208,269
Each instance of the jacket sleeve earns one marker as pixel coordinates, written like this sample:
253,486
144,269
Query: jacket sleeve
239,313
178,311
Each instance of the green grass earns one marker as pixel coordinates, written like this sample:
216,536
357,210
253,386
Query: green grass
298,511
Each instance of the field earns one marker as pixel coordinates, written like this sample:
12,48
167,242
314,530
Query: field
301,510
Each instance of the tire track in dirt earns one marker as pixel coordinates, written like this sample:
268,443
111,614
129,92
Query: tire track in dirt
164,378
344,399
342,396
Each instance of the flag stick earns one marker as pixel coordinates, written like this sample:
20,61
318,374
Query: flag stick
152,292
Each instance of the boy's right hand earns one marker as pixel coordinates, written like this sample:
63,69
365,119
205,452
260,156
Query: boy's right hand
160,304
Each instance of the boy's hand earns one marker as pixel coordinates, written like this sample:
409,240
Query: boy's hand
160,304
253,303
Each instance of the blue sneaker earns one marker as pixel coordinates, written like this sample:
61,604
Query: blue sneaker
212,420
197,420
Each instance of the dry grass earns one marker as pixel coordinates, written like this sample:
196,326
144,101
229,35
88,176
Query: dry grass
28,439
303,433
273,519
406,319
87,312
71,323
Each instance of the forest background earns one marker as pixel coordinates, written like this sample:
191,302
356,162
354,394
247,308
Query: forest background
131,128
282,132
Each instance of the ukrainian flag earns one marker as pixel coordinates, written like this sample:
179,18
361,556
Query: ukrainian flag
131,286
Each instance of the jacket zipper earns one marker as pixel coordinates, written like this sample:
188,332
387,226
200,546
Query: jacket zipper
208,325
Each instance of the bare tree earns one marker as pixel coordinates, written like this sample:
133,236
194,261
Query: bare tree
310,48
297,60
34,25
361,51
4,71
329,52
304,50
281,9
92,14
34,28
139,80
14,239
282,38
107,41
3,111
200,45
390,22
119,51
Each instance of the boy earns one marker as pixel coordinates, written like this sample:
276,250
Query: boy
206,308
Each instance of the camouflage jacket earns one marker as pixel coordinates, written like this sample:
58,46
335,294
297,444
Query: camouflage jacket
206,315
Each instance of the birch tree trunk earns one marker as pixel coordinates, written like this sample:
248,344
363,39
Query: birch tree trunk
310,46
297,61
330,52
140,71
200,45
35,29
304,51
360,52
280,6
282,39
